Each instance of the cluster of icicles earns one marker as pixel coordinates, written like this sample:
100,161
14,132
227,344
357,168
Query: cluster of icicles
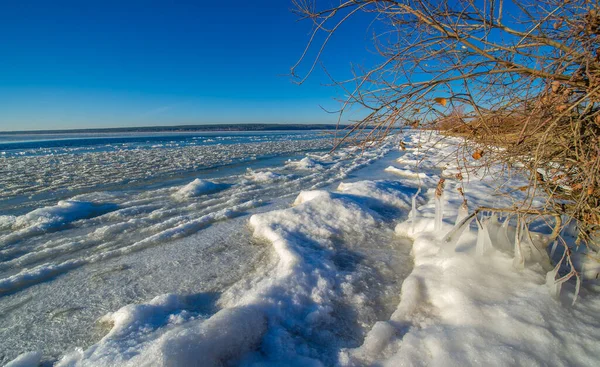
497,233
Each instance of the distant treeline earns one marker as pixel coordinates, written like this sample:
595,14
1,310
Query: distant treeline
188,128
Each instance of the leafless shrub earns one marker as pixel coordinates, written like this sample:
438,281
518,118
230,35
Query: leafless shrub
520,80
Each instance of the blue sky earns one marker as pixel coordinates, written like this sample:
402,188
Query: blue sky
79,64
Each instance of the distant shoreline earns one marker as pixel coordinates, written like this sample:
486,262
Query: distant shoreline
186,128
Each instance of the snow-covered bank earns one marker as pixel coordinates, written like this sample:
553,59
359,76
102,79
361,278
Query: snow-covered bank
337,287
465,305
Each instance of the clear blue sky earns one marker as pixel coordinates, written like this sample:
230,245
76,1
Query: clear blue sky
91,63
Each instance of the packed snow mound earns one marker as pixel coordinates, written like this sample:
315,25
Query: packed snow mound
163,333
305,196
264,176
198,187
306,163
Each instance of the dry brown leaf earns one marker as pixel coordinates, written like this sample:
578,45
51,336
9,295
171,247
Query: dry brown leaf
561,108
558,23
478,154
590,190
539,177
592,218
555,86
439,190
442,101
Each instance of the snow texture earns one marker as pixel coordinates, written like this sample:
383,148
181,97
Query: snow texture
98,251
337,286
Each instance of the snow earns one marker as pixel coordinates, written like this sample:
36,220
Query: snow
63,213
198,187
292,304
306,163
224,336
29,359
33,172
305,196
453,308
7,221
147,243
408,162
407,173
366,271
265,176
52,218
458,308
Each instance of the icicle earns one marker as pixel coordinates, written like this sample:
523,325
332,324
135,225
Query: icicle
439,215
439,205
494,220
463,212
413,212
553,285
570,230
519,260
577,288
554,245
532,252
452,237
493,227
484,243
502,239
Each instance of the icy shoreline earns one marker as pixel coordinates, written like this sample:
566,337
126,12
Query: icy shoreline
333,290
64,265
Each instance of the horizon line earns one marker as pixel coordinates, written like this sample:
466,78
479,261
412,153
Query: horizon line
212,126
